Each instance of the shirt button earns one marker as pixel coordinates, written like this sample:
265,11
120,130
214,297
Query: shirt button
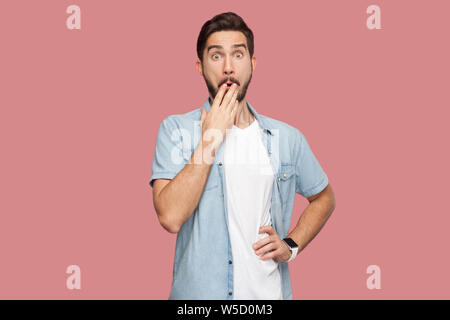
279,179
230,262
284,175
220,163
230,293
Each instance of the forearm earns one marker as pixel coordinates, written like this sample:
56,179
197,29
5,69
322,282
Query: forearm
312,220
179,198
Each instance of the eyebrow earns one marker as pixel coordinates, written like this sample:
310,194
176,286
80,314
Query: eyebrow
215,46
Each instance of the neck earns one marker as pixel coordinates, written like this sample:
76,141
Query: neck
244,116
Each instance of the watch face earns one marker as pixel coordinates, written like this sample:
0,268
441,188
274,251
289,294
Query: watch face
290,242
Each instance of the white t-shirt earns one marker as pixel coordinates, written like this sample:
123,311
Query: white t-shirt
249,180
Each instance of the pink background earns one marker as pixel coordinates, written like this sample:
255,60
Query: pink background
80,112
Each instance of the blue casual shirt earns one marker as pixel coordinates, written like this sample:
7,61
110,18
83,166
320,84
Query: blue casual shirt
203,265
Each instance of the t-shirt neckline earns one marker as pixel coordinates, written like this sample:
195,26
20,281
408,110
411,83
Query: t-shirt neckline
251,125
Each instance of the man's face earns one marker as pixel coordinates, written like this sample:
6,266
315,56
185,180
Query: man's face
226,59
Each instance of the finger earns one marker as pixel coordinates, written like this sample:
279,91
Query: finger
267,248
235,109
233,99
226,100
219,96
270,255
261,243
267,229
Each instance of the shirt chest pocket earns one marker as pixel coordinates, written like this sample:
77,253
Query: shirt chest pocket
286,181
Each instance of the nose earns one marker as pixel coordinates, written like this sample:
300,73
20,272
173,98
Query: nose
228,68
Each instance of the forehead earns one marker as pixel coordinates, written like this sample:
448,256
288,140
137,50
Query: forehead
226,39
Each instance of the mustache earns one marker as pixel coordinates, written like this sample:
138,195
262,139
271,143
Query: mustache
231,79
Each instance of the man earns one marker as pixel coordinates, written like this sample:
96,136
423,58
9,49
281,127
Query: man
224,178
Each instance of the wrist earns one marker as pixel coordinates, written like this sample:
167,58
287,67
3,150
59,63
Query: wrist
293,247
203,154
208,150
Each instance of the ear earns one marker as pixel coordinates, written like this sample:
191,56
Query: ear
198,66
254,62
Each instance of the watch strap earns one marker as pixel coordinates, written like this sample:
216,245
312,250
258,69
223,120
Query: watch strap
293,247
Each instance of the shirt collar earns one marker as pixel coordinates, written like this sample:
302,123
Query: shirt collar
261,121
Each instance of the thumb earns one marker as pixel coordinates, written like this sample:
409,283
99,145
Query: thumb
203,116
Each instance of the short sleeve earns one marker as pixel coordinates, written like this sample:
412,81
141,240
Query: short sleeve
310,179
167,159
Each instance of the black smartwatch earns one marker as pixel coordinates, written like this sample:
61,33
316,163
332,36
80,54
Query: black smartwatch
292,246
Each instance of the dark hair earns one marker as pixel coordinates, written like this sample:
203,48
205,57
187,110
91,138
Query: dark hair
228,21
